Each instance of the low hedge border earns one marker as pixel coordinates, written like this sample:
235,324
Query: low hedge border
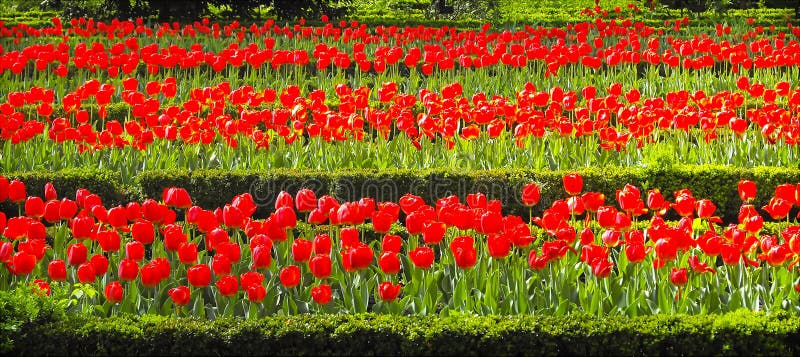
35,325
215,188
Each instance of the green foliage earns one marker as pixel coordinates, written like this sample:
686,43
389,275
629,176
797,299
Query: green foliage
27,321
20,310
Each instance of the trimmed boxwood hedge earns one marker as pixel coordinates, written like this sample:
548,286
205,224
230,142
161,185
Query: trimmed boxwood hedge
215,188
34,325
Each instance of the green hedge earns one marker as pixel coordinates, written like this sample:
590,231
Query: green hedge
212,188
37,326
215,188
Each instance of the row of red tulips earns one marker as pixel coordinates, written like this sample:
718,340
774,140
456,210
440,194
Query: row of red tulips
141,250
231,114
589,44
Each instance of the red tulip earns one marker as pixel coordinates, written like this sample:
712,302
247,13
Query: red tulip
348,237
22,263
409,203
321,294
128,269
143,232
778,208
381,221
232,217
635,252
187,253
322,244
34,207
57,270
113,292
358,257
678,276
388,291
227,285
705,208
422,257
284,199
433,232
256,293
389,262
173,237
290,276
391,243
117,217
684,203
531,194
262,257
245,204
573,184
498,246
199,275
286,217
747,190
16,191
109,241
81,226
320,266
180,295
134,250
67,209
251,278
99,263
176,197
3,188
216,237
86,273
464,252
699,267
656,202
221,265
601,268
537,262
151,275
305,200
77,254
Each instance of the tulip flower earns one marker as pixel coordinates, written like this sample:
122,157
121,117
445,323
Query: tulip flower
389,262
134,250
322,244
176,197
113,292
290,276
422,257
86,273
128,269
256,293
100,264
57,270
678,276
388,291
227,285
321,294
305,200
747,190
76,254
301,250
530,194
199,275
180,295
573,184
